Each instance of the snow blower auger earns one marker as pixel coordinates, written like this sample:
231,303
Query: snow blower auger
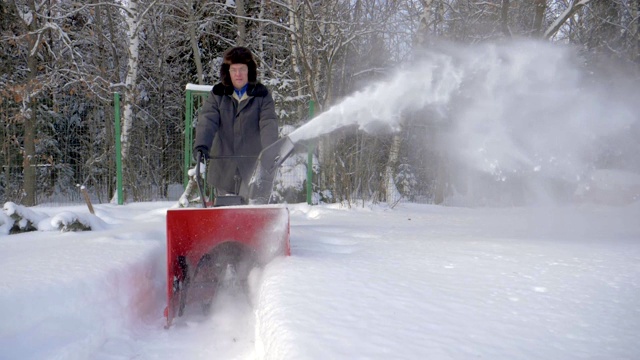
206,246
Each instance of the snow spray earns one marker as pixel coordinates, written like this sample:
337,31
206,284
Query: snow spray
522,108
378,107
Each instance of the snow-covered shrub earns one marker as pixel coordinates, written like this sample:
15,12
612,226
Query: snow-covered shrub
6,223
69,221
24,219
17,219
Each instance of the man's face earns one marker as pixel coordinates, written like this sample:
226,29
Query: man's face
239,75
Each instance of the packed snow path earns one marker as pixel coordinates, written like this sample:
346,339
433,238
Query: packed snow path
412,282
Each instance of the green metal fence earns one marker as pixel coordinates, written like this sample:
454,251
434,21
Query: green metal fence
72,146
195,96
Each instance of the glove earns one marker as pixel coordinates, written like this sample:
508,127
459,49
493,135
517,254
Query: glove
203,170
201,149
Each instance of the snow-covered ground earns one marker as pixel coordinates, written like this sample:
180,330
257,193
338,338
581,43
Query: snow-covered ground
372,282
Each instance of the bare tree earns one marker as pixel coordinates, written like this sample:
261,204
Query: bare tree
34,39
32,47
242,30
573,7
134,18
191,24
504,18
540,8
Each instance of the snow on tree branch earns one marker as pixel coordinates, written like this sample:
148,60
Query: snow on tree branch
569,12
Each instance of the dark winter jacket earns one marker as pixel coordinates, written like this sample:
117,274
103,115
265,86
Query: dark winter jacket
226,128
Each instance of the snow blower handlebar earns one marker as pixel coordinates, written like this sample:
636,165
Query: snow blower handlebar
200,157
268,162
266,166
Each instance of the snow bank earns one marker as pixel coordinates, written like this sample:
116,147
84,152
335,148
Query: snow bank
425,282
69,221
23,219
68,293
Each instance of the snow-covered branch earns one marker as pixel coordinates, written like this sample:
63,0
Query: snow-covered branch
569,12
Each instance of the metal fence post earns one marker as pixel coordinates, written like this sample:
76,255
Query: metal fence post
188,136
116,112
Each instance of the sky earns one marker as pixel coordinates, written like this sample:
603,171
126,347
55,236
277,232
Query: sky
362,282
556,279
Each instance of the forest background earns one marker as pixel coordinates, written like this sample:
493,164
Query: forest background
62,61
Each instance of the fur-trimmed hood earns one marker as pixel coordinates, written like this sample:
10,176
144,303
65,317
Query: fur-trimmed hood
238,55
253,89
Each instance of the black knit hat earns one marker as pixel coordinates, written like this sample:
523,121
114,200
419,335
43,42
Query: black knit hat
238,55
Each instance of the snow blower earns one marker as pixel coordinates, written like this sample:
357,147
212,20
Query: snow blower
209,247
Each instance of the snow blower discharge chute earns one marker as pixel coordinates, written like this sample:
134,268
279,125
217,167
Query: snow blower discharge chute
206,247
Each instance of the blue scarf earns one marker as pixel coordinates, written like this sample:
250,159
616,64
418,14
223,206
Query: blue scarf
241,92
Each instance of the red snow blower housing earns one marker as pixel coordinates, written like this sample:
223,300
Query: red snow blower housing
207,246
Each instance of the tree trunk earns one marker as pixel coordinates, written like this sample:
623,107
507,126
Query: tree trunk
294,27
261,28
423,27
392,195
568,13
29,108
115,78
193,38
29,160
114,51
240,21
132,19
635,30
108,124
541,7
439,19
504,18
442,180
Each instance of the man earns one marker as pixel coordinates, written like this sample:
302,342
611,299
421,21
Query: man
235,123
